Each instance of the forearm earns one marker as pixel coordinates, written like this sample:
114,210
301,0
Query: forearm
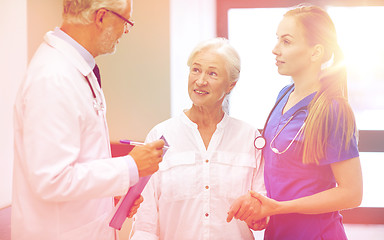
94,179
347,194
334,199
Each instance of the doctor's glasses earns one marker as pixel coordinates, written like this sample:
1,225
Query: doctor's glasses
127,23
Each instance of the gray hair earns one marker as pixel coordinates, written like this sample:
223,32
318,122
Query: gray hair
222,47
81,11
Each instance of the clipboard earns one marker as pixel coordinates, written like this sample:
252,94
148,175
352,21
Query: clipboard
126,202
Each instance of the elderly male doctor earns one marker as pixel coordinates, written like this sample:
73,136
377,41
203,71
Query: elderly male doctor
64,175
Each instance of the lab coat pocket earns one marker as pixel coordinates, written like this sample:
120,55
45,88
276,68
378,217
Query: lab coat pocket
178,175
98,229
233,173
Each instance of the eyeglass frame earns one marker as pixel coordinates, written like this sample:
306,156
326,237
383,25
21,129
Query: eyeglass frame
127,23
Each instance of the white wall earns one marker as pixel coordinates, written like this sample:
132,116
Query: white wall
13,61
191,22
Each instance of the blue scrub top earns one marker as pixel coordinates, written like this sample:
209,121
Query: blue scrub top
287,178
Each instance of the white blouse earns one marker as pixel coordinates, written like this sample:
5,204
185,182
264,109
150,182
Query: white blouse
190,196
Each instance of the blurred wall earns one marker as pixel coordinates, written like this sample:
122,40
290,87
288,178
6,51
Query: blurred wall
13,61
135,78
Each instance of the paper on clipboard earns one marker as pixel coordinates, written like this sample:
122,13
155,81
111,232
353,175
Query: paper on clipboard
125,203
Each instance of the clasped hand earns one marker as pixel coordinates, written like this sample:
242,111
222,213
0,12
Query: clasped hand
254,209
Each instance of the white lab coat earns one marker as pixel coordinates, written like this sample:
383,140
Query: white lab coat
64,177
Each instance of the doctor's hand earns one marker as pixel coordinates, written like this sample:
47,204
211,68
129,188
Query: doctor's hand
148,157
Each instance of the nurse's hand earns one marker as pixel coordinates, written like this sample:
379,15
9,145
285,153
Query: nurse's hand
135,206
148,157
269,206
245,208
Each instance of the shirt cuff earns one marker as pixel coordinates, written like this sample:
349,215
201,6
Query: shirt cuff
133,171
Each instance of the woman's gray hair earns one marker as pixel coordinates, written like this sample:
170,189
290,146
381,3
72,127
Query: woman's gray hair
222,47
81,11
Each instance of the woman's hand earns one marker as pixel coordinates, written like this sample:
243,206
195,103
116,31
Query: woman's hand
268,206
245,208
259,225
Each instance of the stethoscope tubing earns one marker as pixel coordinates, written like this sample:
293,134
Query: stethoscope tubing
261,139
98,106
275,150
90,86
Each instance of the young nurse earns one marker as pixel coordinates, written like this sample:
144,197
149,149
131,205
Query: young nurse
312,165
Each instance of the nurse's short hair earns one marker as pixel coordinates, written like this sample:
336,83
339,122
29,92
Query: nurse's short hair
225,49
82,11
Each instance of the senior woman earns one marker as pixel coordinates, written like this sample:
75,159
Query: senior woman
211,160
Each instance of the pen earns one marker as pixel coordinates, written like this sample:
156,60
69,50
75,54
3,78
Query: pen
133,143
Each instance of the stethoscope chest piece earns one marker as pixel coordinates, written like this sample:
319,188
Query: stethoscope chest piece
259,142
99,107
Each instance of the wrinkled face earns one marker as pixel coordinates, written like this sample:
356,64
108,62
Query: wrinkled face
293,55
111,35
208,81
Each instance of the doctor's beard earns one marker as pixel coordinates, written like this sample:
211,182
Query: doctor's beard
108,42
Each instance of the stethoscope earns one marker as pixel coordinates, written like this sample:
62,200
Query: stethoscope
97,105
260,141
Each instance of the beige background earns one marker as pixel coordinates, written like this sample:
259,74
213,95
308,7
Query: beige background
136,78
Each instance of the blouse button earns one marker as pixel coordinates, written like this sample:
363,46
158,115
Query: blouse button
206,187
207,161
206,214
